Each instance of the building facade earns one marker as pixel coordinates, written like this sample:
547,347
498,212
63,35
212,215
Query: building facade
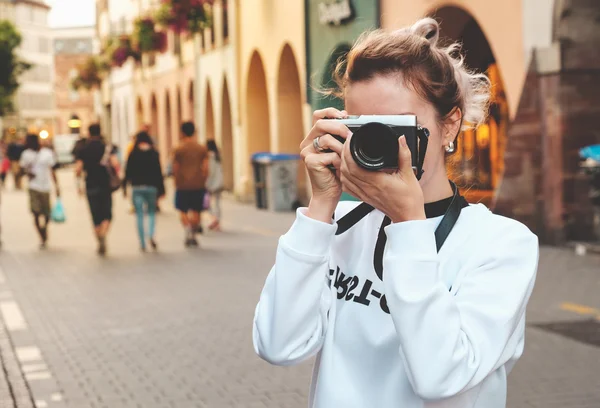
274,113
74,108
217,85
34,100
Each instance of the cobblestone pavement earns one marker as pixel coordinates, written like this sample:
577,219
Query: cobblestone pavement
173,329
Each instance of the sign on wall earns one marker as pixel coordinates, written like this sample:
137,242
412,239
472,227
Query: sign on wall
335,12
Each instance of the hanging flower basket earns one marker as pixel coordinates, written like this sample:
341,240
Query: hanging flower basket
146,38
90,74
191,16
123,51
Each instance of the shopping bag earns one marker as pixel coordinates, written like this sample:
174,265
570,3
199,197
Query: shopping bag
58,212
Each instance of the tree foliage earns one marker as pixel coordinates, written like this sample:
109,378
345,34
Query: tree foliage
11,66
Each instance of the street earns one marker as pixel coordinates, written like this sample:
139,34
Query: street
173,328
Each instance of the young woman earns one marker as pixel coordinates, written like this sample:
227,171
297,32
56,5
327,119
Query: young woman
38,163
144,173
214,183
392,321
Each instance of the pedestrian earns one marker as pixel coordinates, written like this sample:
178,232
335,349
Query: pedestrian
4,163
190,169
93,159
392,321
143,171
38,164
214,183
14,151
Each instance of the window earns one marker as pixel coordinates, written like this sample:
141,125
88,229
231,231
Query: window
34,101
44,45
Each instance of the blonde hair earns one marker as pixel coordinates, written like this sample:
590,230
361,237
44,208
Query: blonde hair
438,74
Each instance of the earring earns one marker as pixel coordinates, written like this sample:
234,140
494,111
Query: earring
450,147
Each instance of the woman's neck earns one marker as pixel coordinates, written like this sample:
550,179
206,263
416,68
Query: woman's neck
437,188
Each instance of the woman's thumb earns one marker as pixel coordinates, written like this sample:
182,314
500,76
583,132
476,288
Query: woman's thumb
404,157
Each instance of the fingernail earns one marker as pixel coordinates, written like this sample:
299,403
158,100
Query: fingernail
403,141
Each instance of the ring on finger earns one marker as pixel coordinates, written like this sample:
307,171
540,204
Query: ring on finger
316,144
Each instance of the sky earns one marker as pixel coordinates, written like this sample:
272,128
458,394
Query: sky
72,13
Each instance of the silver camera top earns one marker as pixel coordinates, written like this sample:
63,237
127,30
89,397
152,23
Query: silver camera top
390,120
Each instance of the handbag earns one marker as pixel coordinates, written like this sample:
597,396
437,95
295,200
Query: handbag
58,212
114,181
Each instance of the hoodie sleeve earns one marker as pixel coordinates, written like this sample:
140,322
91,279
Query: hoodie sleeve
291,316
451,343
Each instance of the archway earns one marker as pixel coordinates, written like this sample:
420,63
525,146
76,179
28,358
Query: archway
124,131
327,82
289,103
154,117
209,118
257,112
226,138
179,117
169,124
191,106
479,159
139,114
290,130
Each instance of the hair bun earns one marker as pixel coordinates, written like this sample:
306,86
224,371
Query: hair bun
427,28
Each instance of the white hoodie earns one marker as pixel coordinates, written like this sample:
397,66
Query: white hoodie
440,330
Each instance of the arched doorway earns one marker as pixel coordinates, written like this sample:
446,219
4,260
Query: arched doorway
169,124
179,117
327,83
154,118
209,118
290,131
226,139
123,137
257,103
478,163
139,114
191,106
329,86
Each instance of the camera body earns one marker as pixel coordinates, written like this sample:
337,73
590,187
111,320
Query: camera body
374,143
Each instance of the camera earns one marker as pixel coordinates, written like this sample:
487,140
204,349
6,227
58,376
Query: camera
374,143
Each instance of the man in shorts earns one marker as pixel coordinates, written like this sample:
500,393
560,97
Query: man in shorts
97,182
190,170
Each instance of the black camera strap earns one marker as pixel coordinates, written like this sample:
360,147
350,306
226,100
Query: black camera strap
441,233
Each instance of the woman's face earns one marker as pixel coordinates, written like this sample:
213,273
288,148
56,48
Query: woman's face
387,95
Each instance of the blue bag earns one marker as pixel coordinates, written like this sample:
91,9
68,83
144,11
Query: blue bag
58,212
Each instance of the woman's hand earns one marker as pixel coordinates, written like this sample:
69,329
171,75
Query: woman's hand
398,195
326,186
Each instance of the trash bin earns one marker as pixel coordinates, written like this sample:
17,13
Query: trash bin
276,180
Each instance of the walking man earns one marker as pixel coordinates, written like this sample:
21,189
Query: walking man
93,159
190,169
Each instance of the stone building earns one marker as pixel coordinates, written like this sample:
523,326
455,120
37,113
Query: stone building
74,108
34,100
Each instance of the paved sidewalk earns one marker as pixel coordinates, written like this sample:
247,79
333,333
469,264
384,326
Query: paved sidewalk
173,329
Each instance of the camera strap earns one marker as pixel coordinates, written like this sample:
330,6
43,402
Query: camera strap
441,233
423,136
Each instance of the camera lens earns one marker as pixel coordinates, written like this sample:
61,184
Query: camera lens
371,144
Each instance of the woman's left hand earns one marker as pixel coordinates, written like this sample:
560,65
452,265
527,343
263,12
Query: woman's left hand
398,195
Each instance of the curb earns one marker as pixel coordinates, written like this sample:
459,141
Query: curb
12,380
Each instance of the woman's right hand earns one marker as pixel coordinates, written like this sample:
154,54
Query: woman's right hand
326,185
